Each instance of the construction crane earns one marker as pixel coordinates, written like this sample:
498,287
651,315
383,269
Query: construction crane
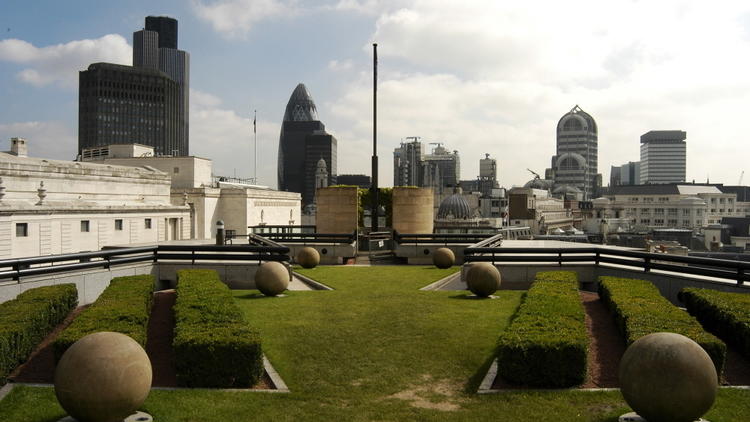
741,176
414,138
536,175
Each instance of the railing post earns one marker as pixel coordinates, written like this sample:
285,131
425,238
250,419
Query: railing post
156,254
192,256
559,258
647,264
17,270
596,257
740,275
108,263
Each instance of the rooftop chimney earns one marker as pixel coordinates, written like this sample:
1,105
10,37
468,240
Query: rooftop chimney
18,147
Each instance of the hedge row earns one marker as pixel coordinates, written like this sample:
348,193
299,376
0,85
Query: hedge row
213,345
546,344
722,313
639,309
123,307
27,319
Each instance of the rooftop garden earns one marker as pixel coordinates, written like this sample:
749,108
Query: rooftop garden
376,348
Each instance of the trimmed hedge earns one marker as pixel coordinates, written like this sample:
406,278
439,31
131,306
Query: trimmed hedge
546,344
27,319
213,345
725,314
123,307
640,309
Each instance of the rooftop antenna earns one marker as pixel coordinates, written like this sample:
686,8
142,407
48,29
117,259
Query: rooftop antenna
374,187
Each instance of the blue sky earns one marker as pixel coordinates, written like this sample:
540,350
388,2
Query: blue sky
480,76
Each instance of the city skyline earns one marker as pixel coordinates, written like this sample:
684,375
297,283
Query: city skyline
505,93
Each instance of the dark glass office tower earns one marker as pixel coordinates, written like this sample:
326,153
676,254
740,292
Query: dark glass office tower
124,104
156,47
303,141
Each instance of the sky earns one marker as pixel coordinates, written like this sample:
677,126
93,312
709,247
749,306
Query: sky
479,76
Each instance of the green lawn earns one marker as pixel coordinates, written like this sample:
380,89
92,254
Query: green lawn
376,348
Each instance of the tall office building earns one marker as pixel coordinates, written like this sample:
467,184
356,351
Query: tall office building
576,161
626,174
663,156
302,143
156,47
124,104
441,168
407,163
146,103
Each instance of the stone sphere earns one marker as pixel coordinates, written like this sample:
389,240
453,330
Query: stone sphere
668,377
443,258
483,279
103,377
272,278
308,257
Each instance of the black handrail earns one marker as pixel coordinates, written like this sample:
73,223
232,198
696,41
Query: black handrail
425,238
647,261
311,237
22,267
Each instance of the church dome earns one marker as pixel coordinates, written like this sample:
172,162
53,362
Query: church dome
543,184
454,206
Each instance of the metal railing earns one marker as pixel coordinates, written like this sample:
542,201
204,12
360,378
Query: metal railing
14,269
439,238
317,238
597,256
265,229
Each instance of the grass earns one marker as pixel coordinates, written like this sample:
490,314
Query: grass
376,348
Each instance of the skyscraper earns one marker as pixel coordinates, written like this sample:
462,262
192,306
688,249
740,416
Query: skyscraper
576,161
156,47
146,103
663,156
124,104
407,163
302,143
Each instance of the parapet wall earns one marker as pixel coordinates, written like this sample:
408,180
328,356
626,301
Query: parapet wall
413,210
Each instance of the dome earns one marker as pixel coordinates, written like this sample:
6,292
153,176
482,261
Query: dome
543,184
577,120
454,206
301,107
571,161
565,189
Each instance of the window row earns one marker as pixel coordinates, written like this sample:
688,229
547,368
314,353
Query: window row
22,229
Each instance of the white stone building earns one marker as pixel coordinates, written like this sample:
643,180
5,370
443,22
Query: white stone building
209,198
687,206
53,207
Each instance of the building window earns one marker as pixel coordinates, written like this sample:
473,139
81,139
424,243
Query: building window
84,226
22,229
176,170
686,212
686,223
659,211
118,224
147,223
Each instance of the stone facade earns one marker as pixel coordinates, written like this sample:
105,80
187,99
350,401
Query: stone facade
337,210
413,210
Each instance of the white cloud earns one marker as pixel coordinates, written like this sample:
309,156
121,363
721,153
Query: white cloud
227,138
496,76
235,18
59,64
340,65
52,139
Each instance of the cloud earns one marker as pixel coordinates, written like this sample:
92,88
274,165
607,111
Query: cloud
340,65
51,139
227,138
235,18
496,76
59,64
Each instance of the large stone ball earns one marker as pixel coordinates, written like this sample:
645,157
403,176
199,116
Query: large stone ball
443,258
272,278
103,377
483,279
308,257
668,377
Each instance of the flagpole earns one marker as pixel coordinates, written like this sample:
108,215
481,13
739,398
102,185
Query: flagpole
255,145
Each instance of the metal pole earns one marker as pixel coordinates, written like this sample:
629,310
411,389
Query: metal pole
374,187
255,146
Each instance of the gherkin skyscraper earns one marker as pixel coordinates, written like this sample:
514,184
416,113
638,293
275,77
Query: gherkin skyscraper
302,143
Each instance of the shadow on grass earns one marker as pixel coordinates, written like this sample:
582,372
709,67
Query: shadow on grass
473,385
471,296
254,296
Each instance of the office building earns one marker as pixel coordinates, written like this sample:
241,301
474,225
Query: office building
156,47
359,180
302,143
626,174
441,169
407,163
663,156
576,160
124,104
